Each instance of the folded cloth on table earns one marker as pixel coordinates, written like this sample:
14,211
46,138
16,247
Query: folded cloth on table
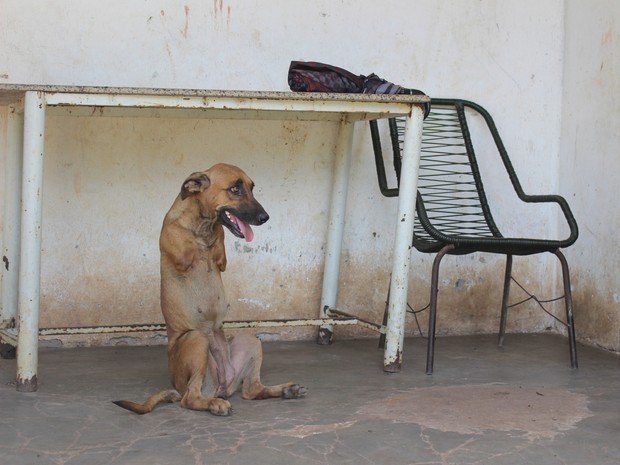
313,76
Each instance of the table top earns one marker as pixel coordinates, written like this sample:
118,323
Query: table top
234,104
10,93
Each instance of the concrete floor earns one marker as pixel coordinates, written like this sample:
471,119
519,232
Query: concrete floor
518,405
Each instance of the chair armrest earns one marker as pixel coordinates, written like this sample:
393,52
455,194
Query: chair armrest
561,201
379,162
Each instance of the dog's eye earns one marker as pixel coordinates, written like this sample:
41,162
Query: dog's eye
235,190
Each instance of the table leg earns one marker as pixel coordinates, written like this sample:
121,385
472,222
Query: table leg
30,257
335,228
10,235
397,307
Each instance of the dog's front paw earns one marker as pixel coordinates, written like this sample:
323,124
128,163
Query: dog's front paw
220,407
294,392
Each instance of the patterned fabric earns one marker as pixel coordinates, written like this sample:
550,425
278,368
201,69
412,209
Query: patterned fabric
312,76
373,84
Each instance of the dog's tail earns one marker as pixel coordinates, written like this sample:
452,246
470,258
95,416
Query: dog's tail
169,395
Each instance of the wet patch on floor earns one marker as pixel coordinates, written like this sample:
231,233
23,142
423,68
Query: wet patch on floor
534,412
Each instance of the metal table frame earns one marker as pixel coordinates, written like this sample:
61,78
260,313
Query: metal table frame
27,109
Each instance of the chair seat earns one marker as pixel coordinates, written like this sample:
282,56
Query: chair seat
499,245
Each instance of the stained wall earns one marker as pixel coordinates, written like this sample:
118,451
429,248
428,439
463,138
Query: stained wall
589,167
109,181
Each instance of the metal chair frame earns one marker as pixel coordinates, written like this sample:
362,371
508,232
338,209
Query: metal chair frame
453,216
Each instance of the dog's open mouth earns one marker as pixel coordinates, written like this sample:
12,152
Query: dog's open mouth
235,225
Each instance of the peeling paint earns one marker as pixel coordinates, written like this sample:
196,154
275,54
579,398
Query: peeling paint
269,337
254,302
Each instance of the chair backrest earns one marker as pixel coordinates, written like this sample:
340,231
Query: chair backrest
452,205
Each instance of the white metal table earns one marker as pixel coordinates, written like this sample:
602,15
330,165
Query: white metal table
28,106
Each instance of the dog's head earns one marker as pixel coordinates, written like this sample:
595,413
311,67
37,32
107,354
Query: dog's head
225,192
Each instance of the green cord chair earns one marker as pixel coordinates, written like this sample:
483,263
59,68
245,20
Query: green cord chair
453,216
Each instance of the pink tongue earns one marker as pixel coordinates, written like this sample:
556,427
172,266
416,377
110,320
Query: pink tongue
245,229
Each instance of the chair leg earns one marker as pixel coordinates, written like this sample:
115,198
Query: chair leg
505,299
432,317
568,300
385,316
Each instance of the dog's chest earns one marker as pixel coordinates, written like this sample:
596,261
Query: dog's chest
205,300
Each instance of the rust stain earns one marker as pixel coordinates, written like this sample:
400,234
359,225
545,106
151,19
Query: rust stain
27,385
597,318
325,337
218,11
185,29
217,7
396,365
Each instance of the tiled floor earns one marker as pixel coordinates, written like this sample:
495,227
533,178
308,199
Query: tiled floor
521,404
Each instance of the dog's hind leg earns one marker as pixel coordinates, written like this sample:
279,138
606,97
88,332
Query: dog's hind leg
188,362
246,355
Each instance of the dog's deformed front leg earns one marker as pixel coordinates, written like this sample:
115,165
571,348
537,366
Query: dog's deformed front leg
223,372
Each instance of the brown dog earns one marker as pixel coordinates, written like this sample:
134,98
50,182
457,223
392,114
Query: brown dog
193,300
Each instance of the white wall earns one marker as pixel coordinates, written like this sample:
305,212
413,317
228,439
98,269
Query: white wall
590,164
108,182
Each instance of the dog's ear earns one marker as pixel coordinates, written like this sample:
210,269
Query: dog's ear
196,182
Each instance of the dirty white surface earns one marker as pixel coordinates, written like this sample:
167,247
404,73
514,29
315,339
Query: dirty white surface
109,181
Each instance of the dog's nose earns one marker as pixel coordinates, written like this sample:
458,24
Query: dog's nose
263,217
